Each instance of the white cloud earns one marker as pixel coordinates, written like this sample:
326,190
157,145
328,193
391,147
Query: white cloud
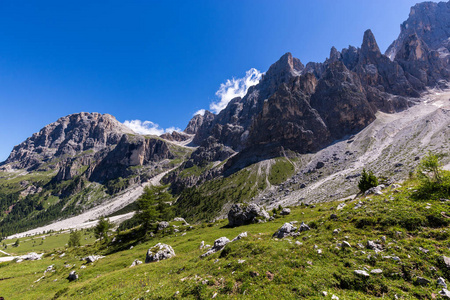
199,112
148,127
235,88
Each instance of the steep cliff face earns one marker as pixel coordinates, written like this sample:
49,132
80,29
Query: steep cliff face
131,151
230,126
431,22
288,119
377,70
67,137
341,102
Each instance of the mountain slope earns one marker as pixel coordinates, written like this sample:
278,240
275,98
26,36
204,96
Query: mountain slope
287,140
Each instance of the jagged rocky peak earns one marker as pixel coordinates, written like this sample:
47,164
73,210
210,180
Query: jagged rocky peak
287,64
281,72
335,55
197,121
430,21
67,137
369,47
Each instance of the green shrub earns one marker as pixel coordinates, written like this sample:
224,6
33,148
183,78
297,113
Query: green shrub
368,180
434,181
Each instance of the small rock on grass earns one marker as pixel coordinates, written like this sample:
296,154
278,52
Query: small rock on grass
445,293
346,244
362,273
422,281
72,276
441,282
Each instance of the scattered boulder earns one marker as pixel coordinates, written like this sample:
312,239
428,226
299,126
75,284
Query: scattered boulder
286,230
376,271
286,211
178,219
375,190
445,293
92,258
72,276
29,256
135,263
446,261
374,246
422,281
219,244
49,269
341,206
362,273
441,282
159,252
240,236
163,225
242,214
320,165
346,244
333,217
303,227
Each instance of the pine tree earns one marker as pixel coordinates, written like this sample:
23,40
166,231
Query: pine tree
102,228
74,239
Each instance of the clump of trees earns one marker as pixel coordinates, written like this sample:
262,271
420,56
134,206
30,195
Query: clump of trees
368,180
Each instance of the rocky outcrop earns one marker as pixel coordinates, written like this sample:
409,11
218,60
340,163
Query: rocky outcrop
176,136
197,121
423,66
159,252
241,214
72,276
431,22
341,102
132,150
209,151
286,230
67,137
287,118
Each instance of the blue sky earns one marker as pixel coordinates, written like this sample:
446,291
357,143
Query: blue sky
160,61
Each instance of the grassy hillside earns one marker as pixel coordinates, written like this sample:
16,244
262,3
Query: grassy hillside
51,199
412,230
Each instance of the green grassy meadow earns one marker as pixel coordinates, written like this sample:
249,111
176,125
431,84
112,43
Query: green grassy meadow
259,266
